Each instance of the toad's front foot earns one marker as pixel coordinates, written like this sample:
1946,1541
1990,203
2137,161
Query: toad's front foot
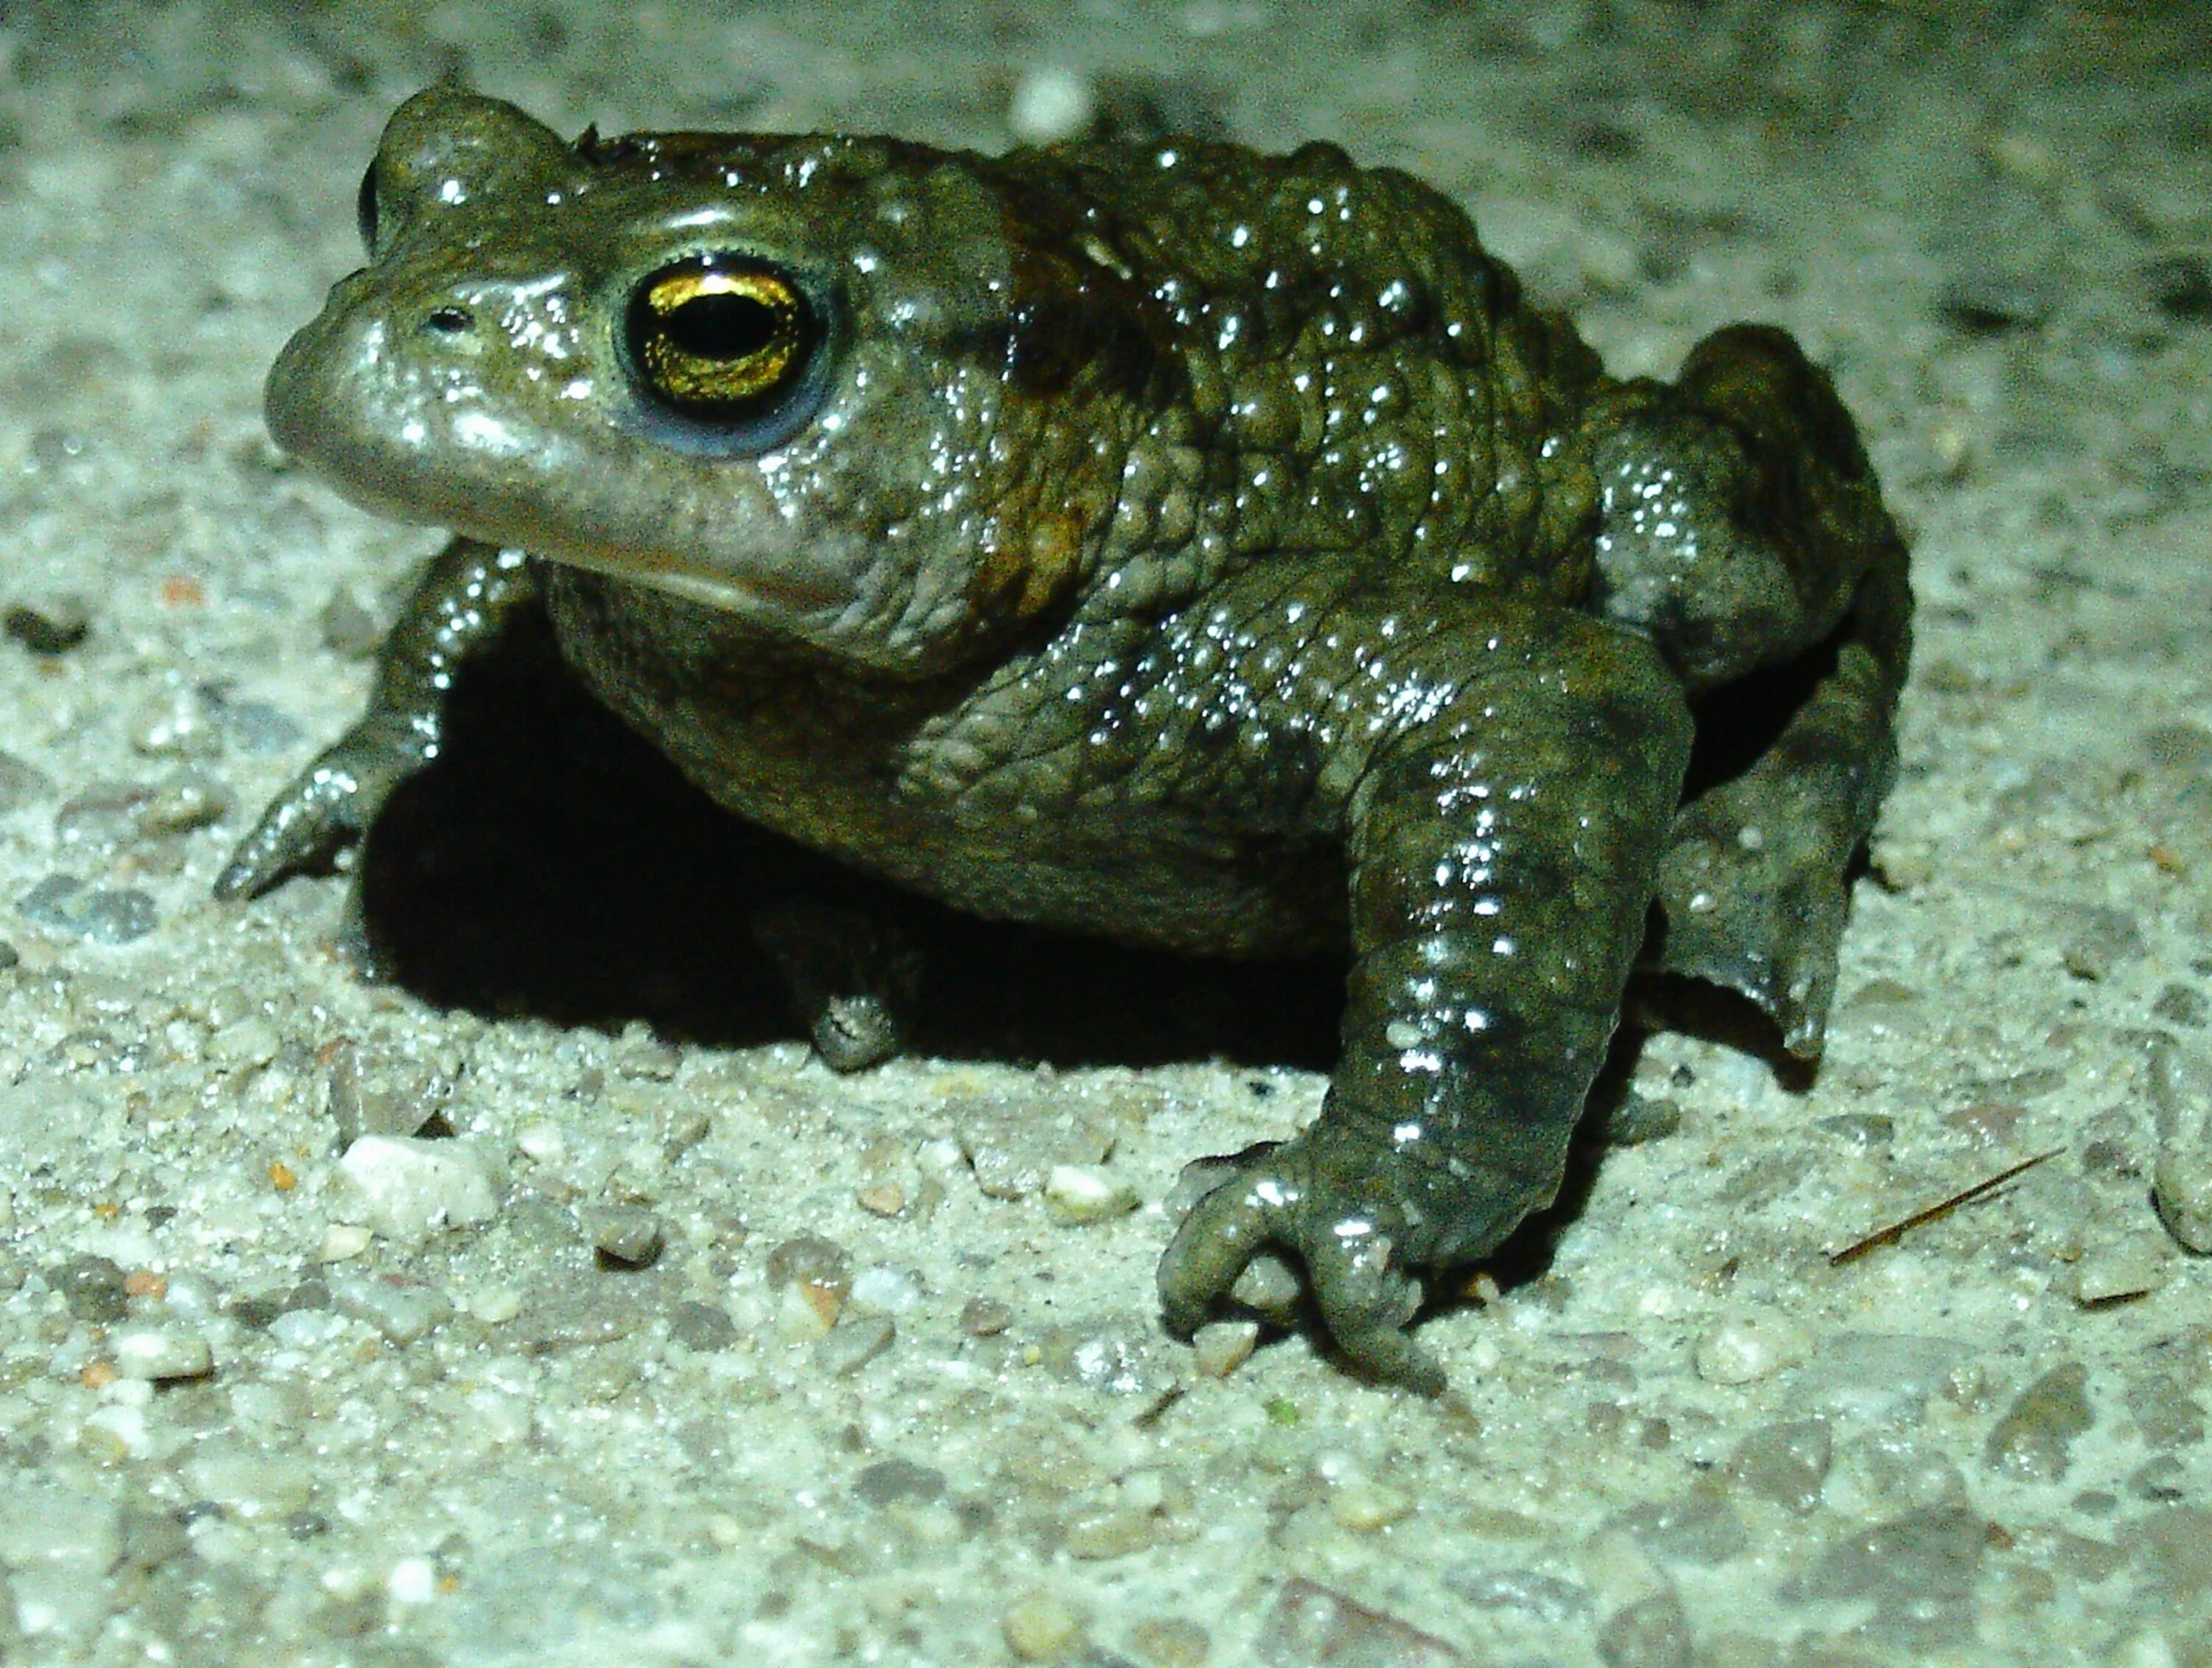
1271,1198
327,807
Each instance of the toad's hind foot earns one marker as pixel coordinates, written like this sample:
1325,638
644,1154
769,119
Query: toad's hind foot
1364,1301
1756,880
1756,904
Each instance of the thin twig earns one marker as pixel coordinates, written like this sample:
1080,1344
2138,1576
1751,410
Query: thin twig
1896,1231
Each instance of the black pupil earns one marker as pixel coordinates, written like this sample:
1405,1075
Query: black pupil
364,209
722,327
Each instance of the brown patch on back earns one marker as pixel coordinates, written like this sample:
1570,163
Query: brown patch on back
1079,316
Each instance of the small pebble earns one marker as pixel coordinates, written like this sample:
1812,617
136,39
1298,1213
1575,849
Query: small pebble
1040,1627
1362,1504
892,1290
2032,1439
1700,1527
53,628
348,629
813,1277
985,1318
628,1236
1077,1196
1749,1348
2173,1548
402,1310
2094,939
1269,1286
255,726
174,723
244,1043
1171,1642
1640,1118
495,1305
899,1481
1049,105
857,1340
2177,1004
805,1314
1786,1464
66,904
1652,1633
341,1241
705,1327
2181,1175
185,802
1112,1529
412,1187
1219,1347
249,1485
158,1354
1311,1624
95,1289
21,784
1922,1565
883,1199
1547,1600
1012,1150
412,1581
1863,1132
2128,1267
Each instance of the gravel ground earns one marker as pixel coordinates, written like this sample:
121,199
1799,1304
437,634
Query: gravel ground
552,1305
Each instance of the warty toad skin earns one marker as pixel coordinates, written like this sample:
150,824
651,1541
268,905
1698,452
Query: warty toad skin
1209,550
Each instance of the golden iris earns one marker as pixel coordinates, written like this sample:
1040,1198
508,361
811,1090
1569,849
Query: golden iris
716,339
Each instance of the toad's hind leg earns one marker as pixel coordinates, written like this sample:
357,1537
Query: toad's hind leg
1744,529
1503,847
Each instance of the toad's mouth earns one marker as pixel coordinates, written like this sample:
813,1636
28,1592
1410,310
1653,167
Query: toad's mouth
784,593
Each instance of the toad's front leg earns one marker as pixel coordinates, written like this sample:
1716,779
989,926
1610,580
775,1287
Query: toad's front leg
458,609
1508,800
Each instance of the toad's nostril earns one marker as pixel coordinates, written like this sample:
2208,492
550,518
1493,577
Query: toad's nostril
449,320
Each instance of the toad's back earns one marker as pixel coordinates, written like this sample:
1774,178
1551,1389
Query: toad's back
1341,369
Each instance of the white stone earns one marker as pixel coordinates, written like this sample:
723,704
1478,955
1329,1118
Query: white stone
1051,104
160,1352
412,1581
541,1141
1748,1348
495,1305
412,1187
115,1432
881,1287
1076,1196
341,1241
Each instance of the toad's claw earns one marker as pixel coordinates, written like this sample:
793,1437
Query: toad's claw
1364,1303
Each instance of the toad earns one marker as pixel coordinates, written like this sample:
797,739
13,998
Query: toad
1209,550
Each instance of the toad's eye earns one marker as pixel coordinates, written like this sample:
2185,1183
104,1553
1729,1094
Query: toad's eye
720,340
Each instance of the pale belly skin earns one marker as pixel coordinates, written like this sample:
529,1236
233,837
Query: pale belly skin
1207,550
